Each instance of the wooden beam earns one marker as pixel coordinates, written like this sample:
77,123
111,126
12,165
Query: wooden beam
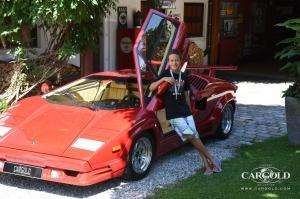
215,37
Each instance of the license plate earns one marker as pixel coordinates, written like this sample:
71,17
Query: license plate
23,170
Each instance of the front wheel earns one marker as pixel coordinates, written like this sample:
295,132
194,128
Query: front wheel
140,158
226,123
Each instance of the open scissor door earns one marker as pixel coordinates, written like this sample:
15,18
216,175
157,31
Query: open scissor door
158,35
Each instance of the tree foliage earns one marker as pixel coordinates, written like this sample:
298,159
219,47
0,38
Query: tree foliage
69,27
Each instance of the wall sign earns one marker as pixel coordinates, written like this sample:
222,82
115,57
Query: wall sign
230,27
126,45
122,17
230,18
168,4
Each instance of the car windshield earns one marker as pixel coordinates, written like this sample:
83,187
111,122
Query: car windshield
97,94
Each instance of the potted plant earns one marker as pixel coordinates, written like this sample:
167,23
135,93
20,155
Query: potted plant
290,55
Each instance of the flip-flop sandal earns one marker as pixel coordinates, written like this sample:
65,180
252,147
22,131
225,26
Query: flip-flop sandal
217,169
208,172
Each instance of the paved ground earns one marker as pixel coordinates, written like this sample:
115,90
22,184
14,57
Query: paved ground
259,115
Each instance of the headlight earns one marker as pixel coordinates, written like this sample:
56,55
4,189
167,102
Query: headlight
87,144
4,130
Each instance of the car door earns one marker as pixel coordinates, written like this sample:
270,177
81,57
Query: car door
158,35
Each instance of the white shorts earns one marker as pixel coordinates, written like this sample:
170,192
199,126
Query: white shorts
185,127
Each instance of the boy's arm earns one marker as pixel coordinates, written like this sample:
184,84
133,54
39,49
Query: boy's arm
154,85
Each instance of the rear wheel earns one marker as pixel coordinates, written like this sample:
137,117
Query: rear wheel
226,123
140,158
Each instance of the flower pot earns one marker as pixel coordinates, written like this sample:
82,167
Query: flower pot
292,110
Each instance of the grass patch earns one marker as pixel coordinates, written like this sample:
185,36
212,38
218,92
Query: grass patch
229,184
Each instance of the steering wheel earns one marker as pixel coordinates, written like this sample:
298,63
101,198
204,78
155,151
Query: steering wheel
131,98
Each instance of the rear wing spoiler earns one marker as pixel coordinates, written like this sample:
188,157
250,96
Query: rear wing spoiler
211,69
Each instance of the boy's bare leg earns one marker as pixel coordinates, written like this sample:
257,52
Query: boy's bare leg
204,159
196,142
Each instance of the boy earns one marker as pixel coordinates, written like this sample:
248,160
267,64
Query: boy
178,110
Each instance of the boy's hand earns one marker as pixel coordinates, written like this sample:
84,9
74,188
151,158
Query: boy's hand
169,79
154,85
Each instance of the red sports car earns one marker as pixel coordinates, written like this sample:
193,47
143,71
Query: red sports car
109,124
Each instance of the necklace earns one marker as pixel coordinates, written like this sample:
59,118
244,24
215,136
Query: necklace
176,86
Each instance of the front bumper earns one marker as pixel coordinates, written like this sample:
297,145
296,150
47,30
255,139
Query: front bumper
70,171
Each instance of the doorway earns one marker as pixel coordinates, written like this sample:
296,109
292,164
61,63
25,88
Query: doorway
247,34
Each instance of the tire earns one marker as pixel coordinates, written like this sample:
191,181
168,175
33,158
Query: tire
226,123
140,157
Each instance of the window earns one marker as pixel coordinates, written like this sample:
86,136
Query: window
96,92
155,43
26,33
193,17
4,44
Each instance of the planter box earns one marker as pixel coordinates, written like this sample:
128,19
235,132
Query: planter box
292,110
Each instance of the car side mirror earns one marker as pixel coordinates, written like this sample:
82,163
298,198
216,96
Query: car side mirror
201,104
163,87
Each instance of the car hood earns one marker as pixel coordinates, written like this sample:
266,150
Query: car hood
51,128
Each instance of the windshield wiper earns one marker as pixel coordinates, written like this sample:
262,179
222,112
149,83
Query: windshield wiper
91,107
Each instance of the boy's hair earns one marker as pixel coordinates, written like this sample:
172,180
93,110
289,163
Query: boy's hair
174,52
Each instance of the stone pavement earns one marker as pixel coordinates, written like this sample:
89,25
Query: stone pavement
255,123
260,114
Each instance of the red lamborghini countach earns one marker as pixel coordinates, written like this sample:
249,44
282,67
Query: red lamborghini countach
109,124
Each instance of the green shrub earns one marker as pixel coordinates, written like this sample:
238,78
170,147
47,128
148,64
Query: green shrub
290,55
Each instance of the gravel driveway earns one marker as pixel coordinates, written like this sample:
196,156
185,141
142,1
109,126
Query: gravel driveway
259,115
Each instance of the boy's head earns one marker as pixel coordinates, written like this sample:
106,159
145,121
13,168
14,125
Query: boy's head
174,60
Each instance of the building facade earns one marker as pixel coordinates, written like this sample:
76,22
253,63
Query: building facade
108,57
227,31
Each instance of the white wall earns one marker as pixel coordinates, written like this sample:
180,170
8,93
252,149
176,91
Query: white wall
109,37
200,41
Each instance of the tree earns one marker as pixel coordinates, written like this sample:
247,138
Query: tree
69,26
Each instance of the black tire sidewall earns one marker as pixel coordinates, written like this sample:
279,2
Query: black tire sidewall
129,172
220,131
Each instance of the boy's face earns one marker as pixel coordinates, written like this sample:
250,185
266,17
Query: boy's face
174,62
